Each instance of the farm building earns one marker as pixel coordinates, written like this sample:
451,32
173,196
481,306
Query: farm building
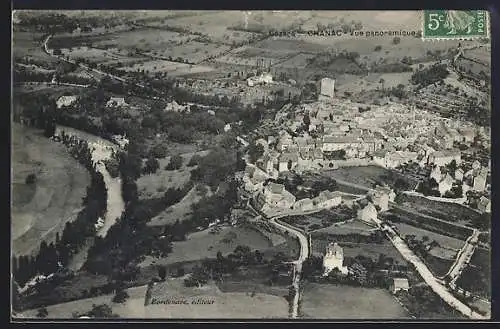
116,101
399,284
175,107
65,101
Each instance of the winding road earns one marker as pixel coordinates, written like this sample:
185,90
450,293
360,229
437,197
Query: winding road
304,250
434,283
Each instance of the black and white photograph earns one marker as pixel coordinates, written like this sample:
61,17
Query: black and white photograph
286,165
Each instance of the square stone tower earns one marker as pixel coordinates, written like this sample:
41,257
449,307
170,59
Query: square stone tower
327,88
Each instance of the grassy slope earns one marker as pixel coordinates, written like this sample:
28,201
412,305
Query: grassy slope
39,212
322,301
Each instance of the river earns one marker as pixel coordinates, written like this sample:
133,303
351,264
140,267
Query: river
101,150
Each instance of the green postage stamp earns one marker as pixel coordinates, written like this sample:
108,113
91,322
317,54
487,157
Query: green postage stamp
455,24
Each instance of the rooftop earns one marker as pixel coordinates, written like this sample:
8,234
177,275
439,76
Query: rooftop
446,153
275,188
401,283
285,157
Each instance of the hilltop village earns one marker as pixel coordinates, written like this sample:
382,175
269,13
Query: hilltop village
333,133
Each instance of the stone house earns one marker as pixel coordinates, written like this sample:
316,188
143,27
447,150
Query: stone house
445,184
304,204
368,213
484,205
436,174
459,174
327,199
480,182
441,158
286,160
276,195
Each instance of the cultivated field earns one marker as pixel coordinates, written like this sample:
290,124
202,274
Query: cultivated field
451,212
321,219
291,45
444,241
353,249
42,209
354,227
99,56
28,45
476,278
203,244
365,175
480,54
371,82
328,301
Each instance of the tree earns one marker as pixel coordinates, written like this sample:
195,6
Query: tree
175,162
159,151
120,296
377,48
399,198
452,167
30,179
255,151
50,128
152,166
307,120
382,81
162,272
396,40
42,313
101,311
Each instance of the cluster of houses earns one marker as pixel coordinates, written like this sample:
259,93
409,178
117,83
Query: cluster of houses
274,197
387,136
474,179
271,197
